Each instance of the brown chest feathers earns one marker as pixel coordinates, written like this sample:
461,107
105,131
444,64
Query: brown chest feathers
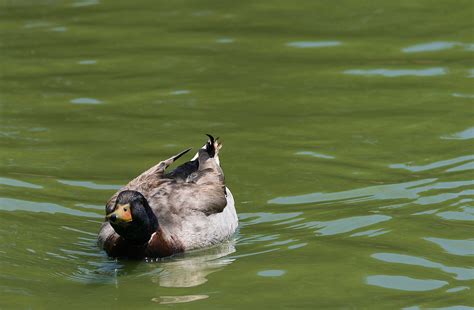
158,246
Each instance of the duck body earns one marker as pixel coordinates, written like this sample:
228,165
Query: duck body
159,214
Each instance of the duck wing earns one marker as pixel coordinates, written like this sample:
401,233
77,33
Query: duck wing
148,180
183,172
202,190
197,185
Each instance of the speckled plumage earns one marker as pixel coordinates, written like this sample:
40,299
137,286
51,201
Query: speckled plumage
193,207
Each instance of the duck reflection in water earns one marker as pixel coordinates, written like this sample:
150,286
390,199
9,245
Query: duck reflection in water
191,269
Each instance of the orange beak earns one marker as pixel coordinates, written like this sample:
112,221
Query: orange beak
122,214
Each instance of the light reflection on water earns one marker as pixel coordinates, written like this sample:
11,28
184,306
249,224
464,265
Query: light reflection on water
455,247
459,273
313,44
86,101
82,3
271,273
195,268
407,190
462,135
18,183
462,214
10,204
461,95
397,72
405,283
225,40
178,299
436,165
36,24
315,154
424,192
180,92
87,62
59,29
343,225
89,184
436,46
350,154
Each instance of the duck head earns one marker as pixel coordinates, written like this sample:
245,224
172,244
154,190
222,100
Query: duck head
132,218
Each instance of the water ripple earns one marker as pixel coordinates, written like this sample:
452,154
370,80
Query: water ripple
165,300
455,247
462,135
17,183
9,204
467,214
82,3
436,46
467,166
460,273
378,192
87,62
435,165
343,225
90,185
180,92
59,29
458,289
225,40
397,72
313,44
460,95
265,217
271,273
314,154
405,283
297,246
85,101
371,233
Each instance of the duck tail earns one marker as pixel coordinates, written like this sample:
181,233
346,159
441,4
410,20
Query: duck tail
212,147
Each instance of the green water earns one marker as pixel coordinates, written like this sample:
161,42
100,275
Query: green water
348,144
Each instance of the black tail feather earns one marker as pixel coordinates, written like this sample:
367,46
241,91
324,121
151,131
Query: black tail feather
210,146
175,157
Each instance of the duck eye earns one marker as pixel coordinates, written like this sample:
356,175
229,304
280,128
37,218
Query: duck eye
125,209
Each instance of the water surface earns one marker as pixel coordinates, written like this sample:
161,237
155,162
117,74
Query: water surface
347,131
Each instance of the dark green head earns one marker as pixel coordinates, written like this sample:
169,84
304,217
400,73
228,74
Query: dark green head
132,218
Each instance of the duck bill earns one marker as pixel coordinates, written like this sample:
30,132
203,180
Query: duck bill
122,214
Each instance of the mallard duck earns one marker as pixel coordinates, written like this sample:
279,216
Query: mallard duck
161,213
